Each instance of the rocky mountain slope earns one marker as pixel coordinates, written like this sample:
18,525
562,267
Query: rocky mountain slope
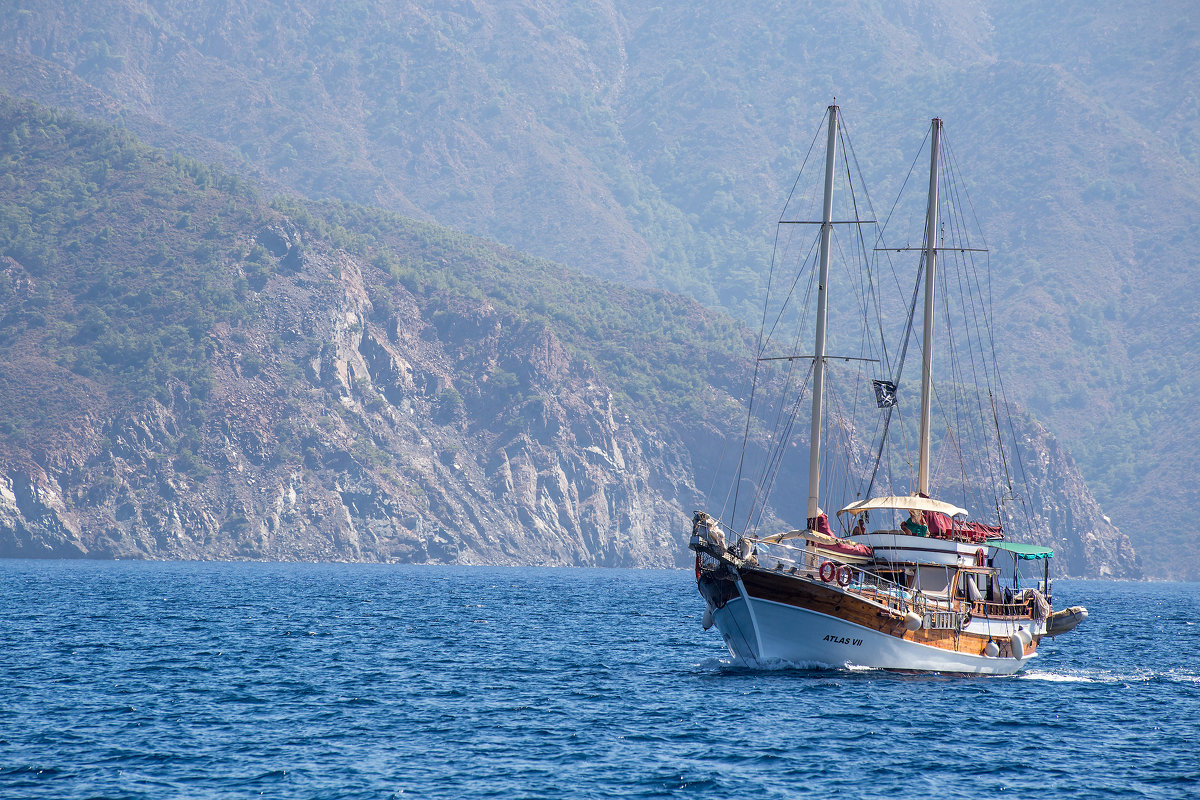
653,144
192,373
325,412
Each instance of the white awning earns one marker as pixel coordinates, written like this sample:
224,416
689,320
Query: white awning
903,504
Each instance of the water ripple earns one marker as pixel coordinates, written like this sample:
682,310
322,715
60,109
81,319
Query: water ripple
298,681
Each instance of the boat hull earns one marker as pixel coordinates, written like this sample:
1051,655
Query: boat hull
774,618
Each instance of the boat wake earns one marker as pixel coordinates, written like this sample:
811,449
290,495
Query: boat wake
1099,676
732,664
1055,677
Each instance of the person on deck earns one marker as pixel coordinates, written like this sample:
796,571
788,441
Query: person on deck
915,524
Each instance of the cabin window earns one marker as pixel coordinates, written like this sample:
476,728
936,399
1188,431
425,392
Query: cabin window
934,579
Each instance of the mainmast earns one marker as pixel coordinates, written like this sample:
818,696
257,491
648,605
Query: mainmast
931,228
814,452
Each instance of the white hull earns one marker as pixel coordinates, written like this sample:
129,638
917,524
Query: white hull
761,631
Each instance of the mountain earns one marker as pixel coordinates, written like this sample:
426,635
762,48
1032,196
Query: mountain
192,372
653,145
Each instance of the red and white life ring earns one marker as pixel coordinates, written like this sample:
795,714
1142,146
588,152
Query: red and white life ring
828,570
980,557
844,576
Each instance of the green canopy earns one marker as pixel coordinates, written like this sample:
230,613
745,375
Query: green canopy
1025,551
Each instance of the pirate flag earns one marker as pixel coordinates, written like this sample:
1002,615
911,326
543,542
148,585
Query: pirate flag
885,393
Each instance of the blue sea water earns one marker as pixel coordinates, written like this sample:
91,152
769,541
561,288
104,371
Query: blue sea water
159,680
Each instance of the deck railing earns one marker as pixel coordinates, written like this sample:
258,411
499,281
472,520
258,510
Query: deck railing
1018,608
801,560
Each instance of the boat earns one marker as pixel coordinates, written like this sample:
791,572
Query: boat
938,592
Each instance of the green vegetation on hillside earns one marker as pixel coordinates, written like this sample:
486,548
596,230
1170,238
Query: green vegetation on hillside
126,259
122,255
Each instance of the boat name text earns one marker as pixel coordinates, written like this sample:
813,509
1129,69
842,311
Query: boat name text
843,640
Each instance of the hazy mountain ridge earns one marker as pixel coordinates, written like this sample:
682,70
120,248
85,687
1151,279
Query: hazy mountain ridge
194,374
654,145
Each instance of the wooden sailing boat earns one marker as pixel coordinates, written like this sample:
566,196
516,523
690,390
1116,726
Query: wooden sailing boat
925,595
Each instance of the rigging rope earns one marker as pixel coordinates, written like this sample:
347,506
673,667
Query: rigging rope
761,332
967,413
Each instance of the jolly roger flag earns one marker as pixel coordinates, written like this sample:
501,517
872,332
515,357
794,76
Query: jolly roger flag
885,393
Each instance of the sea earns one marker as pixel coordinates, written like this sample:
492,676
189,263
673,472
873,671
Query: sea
233,680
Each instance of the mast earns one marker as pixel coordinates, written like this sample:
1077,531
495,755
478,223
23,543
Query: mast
931,228
814,451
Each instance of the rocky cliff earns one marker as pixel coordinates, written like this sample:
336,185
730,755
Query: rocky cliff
190,373
338,429
404,429
1057,509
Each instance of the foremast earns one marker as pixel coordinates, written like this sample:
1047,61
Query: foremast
818,380
931,229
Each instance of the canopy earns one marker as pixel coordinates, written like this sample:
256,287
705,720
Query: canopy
912,503
1025,551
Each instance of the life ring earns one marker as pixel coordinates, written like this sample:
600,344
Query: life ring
828,570
964,620
843,575
697,566
980,557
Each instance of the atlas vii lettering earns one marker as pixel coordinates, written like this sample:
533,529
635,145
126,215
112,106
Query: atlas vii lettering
843,640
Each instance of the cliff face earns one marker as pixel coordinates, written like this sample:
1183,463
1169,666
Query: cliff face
459,436
405,428
190,373
1059,511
